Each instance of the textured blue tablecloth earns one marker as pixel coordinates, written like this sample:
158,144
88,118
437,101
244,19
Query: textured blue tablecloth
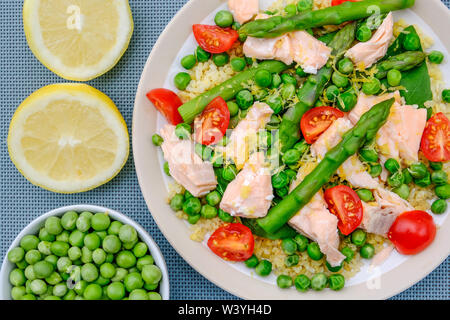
21,202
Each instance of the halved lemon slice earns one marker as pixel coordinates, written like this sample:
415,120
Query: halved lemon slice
68,138
78,39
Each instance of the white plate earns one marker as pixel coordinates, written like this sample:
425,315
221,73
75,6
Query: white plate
38,223
396,274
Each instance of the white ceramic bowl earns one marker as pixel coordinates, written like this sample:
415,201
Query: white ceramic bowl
397,274
35,225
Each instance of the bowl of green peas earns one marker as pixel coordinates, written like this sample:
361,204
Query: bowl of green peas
84,252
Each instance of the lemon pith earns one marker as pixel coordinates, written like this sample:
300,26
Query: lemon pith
78,39
68,138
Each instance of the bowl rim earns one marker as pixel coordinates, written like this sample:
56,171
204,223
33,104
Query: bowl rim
433,12
7,266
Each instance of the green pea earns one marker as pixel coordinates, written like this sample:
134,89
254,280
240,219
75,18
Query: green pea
403,191
86,255
74,253
396,180
371,87
288,79
53,225
225,216
100,221
115,291
280,180
111,244
83,223
292,260
425,181
347,101
363,33
418,170
345,66
367,251
63,236
76,238
358,237
16,255
33,256
332,92
54,278
151,274
59,248
263,78
17,277
60,290
365,195
45,236
229,172
208,212
80,287
22,264
289,246
336,282
70,295
233,108
291,156
202,55
127,233
301,146
89,272
264,268
29,273
176,203
63,264
314,251
275,103
339,80
436,165
348,253
407,176
213,198
28,296
443,192
43,269
93,292
52,259
223,19
182,80
194,218
282,192
192,206
394,77
138,294
221,59
238,64
304,5
69,220
252,262
38,286
99,256
157,140
302,283
446,95
302,242
18,292
188,62
333,269
375,170
92,241
439,177
439,206
319,281
133,281
276,81
154,296
411,42
284,281
29,242
392,165
244,99
290,9
368,155
291,174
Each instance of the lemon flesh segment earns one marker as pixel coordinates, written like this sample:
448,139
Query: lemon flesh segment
68,138
78,39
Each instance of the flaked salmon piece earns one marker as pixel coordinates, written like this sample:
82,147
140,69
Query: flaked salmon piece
185,166
365,54
243,10
311,54
243,138
382,256
352,169
317,223
250,194
381,214
267,49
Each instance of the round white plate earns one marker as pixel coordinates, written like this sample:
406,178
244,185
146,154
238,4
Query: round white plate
396,274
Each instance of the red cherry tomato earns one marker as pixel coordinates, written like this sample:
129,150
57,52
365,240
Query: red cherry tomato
233,242
344,203
435,143
167,102
214,39
317,120
412,232
211,125
338,2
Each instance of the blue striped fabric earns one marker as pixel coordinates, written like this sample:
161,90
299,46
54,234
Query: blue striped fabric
21,202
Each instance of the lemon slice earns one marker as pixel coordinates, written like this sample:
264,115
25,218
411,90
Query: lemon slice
78,39
68,138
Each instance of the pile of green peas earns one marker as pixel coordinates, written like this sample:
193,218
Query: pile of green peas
83,256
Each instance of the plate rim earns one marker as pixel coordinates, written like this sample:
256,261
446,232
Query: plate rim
235,286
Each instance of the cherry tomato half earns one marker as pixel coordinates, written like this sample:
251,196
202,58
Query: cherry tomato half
317,120
338,2
344,203
214,39
211,125
233,242
435,143
412,232
166,102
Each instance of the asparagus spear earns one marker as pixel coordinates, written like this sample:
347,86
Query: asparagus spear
311,89
401,62
348,11
227,90
364,131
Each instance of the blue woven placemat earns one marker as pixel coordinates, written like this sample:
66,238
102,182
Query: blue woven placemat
20,202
